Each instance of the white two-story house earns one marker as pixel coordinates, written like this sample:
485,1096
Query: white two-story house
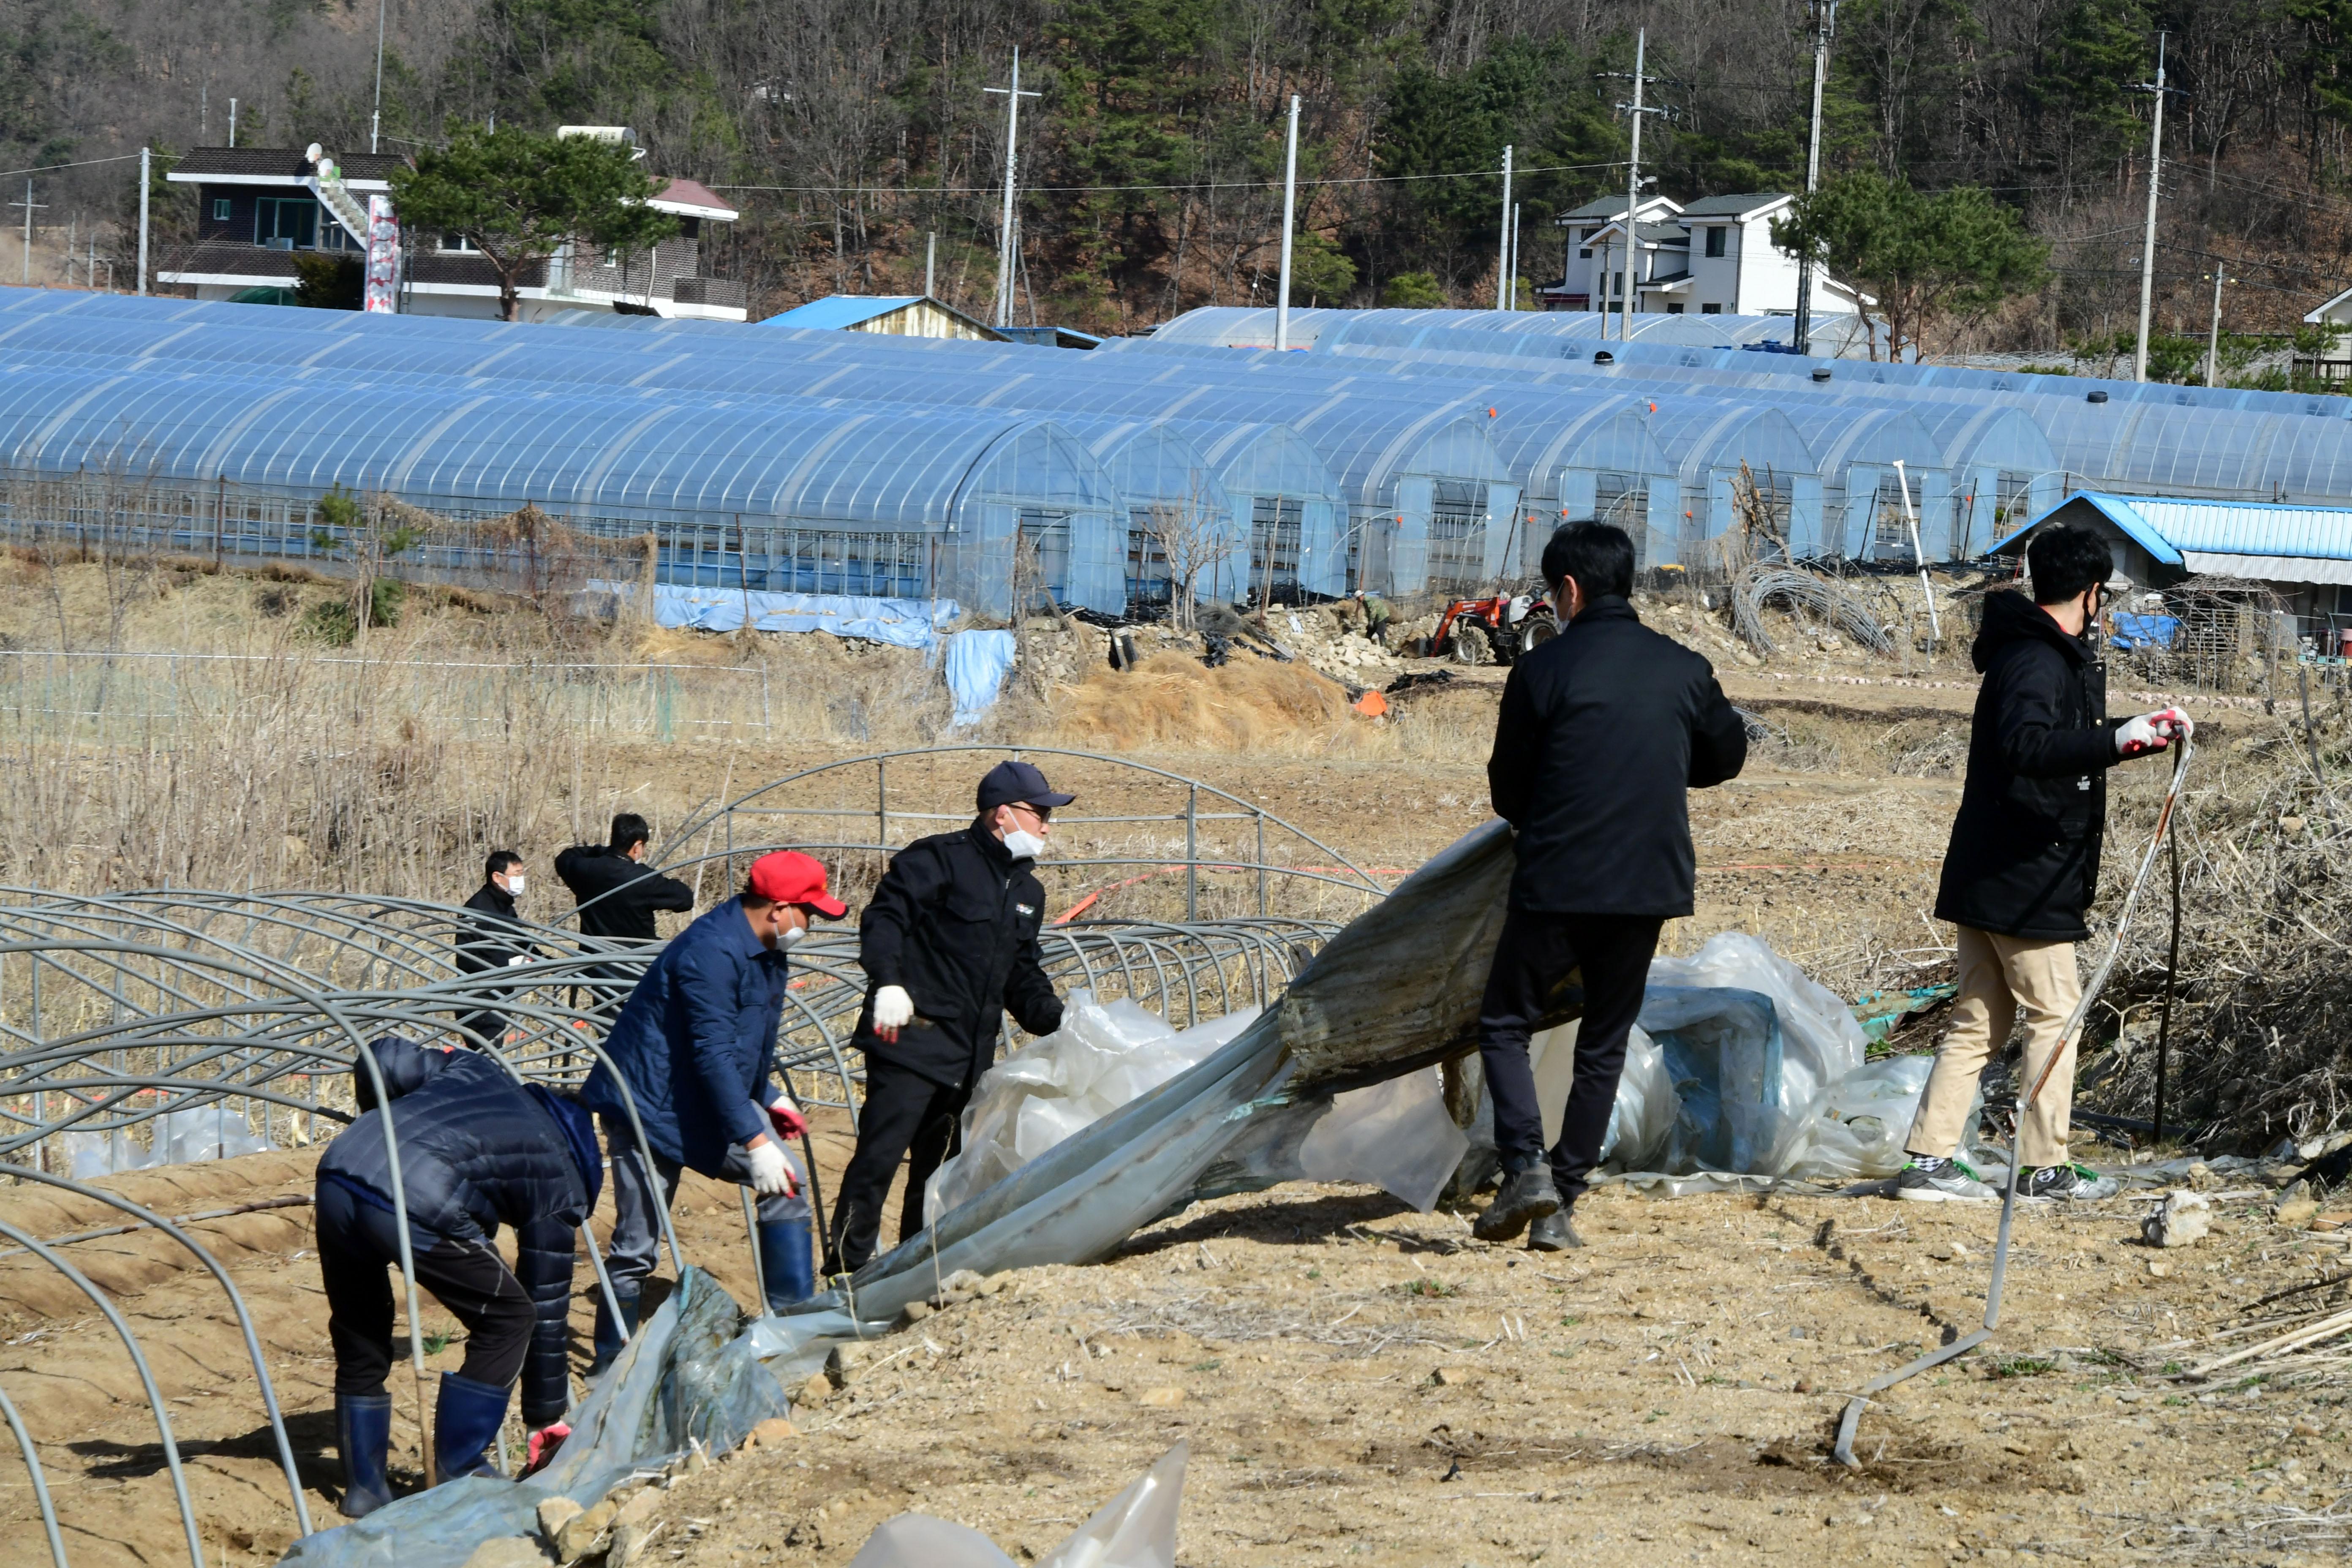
1712,257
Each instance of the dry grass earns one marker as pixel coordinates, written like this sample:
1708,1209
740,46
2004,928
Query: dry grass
1170,701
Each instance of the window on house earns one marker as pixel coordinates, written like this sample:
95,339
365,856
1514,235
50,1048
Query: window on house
1714,239
1617,282
1587,252
459,243
1673,310
1710,310
286,223
220,209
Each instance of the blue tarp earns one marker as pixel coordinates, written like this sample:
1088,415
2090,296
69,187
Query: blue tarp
904,622
978,663
2146,631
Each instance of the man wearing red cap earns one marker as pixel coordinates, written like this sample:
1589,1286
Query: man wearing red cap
694,1047
950,946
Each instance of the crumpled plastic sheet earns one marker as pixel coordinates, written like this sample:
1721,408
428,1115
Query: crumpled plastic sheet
1104,1054
1395,1135
1395,991
1136,1529
977,664
182,1137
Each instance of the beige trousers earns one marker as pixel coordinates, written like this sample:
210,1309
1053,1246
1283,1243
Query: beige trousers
1997,976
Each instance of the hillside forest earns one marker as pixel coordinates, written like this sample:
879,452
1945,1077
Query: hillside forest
850,132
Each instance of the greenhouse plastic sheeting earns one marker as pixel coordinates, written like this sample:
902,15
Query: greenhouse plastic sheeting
903,622
977,664
1136,1529
182,1137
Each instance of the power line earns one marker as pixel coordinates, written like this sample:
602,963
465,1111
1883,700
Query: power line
84,164
1213,186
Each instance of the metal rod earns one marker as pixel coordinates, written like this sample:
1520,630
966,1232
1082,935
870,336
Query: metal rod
1289,206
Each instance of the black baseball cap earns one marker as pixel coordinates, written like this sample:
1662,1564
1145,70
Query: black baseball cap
1009,782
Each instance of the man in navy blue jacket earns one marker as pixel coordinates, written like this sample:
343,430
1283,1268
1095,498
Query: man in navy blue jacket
696,1046
477,1149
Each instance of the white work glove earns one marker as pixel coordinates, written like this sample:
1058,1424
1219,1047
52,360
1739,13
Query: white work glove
2151,731
772,1177
893,1011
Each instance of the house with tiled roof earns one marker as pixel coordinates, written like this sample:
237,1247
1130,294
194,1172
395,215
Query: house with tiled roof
260,207
1714,256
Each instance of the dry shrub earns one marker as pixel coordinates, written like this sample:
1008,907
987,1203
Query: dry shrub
1171,702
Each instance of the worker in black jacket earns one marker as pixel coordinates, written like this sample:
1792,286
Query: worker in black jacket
1603,731
477,1149
950,946
2023,864
494,939
618,896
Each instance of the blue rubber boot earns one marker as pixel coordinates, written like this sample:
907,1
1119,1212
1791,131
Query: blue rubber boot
611,1336
787,1267
464,1425
362,1435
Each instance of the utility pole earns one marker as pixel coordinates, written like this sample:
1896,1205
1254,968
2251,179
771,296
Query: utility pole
29,204
2213,335
375,120
1825,28
1005,240
2148,247
930,260
145,155
232,122
1289,209
1513,303
1503,252
1632,190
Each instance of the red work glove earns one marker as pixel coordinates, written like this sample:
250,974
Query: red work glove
786,1119
542,1447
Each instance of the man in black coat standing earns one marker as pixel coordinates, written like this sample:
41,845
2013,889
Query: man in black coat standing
950,946
618,895
2023,864
493,940
1603,731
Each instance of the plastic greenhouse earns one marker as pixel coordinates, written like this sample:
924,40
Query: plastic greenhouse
1171,492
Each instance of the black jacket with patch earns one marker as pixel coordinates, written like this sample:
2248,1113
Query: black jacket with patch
2025,854
1602,733
954,921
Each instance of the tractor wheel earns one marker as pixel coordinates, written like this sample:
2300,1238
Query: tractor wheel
1539,629
1470,644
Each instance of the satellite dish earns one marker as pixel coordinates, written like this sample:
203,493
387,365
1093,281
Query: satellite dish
310,154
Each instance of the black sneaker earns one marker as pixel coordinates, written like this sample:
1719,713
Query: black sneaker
2069,1184
1553,1233
1927,1180
1528,1196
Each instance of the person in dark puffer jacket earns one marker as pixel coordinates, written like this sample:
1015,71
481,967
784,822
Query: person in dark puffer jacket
477,1149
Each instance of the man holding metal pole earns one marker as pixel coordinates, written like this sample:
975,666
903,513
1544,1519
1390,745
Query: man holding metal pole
1602,733
2023,865
696,1046
950,946
477,1149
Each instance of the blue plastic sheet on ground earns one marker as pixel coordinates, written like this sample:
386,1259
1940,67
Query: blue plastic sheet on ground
2145,631
902,623
978,663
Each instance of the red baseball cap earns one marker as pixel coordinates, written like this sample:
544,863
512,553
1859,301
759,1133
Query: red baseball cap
790,876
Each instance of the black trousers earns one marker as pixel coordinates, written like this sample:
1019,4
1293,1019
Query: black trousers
1535,953
906,1116
357,1243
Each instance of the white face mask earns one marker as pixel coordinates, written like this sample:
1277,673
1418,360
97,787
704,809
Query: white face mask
794,933
1023,845
514,884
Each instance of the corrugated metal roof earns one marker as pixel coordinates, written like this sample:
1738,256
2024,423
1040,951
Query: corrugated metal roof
1734,205
842,310
2166,527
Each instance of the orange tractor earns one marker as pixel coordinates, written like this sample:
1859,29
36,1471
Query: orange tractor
1496,630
